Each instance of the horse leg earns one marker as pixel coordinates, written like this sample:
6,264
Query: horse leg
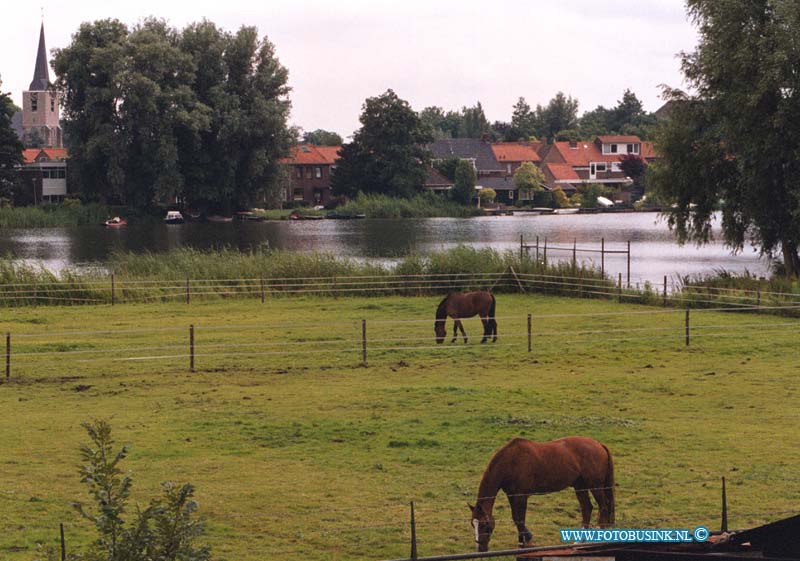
486,329
463,333
519,507
601,497
455,331
586,506
494,330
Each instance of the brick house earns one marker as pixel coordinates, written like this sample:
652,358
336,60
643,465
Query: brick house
511,155
310,170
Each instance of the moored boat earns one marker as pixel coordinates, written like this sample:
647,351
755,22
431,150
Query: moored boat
173,217
116,222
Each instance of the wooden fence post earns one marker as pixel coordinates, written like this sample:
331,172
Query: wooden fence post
413,534
537,249
619,289
63,543
261,281
603,257
545,251
520,249
188,297
113,291
687,327
724,524
529,333
758,297
574,254
8,355
629,263
191,348
364,342
665,291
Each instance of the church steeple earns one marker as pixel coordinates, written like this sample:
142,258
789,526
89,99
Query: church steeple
41,75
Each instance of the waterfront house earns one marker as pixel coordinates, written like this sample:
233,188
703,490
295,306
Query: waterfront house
511,155
44,176
310,169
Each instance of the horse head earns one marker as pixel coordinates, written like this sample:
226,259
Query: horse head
483,525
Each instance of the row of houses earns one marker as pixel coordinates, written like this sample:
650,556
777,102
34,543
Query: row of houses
566,165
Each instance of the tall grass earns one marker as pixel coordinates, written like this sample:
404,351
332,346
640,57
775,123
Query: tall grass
423,205
197,274
50,216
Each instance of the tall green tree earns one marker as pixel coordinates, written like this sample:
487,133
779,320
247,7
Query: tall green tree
474,122
559,114
523,121
464,184
10,148
737,138
321,137
155,114
387,154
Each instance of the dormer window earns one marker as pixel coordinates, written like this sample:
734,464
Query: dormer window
633,148
613,148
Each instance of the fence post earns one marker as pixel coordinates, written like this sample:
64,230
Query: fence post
724,525
529,333
261,279
191,348
629,263
413,534
8,355
537,249
364,342
545,251
113,290
574,254
619,289
63,543
188,298
520,249
758,297
603,257
687,327
665,291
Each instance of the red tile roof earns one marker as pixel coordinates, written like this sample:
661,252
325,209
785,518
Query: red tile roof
562,172
619,139
308,154
516,151
33,155
582,153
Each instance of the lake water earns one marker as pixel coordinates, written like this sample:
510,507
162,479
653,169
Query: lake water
653,248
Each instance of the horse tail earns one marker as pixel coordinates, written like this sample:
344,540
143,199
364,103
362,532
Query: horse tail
491,314
609,485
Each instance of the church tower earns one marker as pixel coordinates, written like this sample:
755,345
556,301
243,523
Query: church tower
40,116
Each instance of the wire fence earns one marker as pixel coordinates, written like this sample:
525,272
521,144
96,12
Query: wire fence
378,340
568,280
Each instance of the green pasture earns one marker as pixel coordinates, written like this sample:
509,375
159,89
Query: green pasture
301,452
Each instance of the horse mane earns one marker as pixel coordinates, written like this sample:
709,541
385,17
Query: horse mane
441,311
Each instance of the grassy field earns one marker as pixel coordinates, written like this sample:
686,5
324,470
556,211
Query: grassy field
300,452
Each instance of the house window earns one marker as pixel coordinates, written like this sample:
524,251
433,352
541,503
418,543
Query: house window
510,195
297,194
601,166
613,148
318,172
34,102
508,169
298,172
52,104
633,148
615,166
308,172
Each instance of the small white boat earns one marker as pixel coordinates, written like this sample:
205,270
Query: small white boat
173,217
566,211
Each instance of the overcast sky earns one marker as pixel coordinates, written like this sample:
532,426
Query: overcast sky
434,52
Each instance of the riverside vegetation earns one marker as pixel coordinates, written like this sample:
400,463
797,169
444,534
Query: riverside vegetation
309,455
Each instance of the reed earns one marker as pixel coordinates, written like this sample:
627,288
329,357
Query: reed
51,216
423,205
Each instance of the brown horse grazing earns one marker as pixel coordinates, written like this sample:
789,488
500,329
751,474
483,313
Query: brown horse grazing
522,468
466,305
